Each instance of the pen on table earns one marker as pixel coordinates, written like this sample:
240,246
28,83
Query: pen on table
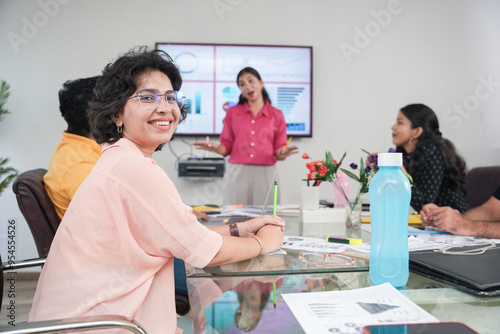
427,232
349,241
275,200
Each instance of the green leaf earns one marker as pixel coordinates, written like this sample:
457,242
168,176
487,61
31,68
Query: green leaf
351,174
4,95
9,172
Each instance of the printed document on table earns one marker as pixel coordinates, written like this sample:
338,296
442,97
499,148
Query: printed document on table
348,311
312,245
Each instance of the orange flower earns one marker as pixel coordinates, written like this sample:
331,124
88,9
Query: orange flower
305,156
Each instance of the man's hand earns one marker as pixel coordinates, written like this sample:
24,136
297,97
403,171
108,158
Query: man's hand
445,219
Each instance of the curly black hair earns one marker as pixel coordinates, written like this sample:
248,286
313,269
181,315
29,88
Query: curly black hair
119,80
74,98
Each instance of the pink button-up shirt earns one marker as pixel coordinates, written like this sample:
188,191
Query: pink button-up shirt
253,140
113,252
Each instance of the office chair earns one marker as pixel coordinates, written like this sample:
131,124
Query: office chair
38,210
62,325
480,184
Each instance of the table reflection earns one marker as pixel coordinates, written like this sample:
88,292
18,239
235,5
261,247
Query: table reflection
245,304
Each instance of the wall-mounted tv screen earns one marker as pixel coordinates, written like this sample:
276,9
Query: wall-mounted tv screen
209,81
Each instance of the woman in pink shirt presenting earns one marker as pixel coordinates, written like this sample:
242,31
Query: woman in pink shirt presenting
254,137
114,250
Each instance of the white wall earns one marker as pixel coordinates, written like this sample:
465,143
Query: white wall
438,52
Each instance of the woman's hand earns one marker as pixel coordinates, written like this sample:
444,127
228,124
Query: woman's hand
371,159
206,145
285,152
201,215
271,238
252,226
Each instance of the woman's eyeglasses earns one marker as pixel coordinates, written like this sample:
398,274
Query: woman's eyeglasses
150,99
331,260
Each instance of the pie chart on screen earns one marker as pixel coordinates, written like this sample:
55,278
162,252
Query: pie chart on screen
229,92
187,61
228,105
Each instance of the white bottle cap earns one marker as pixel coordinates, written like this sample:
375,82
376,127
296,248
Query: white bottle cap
390,159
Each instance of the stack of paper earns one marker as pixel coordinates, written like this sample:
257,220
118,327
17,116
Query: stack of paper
348,311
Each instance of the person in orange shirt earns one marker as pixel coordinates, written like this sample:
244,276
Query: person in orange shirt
77,152
121,259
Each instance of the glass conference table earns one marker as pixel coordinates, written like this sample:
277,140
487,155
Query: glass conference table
238,297
290,263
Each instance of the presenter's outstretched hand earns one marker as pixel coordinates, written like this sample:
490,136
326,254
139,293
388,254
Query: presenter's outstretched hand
205,145
285,152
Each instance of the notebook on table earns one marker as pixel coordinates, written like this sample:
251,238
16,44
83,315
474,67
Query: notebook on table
478,274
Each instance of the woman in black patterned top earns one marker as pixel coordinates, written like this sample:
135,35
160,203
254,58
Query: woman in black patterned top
437,170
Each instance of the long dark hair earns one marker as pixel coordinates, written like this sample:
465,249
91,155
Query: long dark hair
119,81
422,116
254,72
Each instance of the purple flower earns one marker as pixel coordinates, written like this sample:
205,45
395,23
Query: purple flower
368,169
392,150
372,158
353,165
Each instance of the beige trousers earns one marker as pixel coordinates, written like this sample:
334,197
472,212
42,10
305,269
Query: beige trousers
249,184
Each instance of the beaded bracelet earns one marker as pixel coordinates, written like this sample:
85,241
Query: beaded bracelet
233,229
260,244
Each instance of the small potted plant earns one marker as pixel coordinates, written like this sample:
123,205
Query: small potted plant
7,174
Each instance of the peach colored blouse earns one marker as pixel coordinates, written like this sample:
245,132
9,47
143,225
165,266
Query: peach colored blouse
113,252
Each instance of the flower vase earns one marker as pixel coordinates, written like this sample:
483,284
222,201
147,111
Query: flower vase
353,215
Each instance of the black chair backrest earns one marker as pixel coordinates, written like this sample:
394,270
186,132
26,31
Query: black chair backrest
481,183
37,208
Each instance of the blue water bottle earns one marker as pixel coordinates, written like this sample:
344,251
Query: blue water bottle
390,195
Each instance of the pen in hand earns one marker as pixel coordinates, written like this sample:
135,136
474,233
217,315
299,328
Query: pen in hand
366,151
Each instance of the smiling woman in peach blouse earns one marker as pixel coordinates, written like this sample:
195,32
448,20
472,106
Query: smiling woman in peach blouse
114,250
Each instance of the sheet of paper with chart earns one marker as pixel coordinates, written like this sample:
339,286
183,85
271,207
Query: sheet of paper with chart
348,311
